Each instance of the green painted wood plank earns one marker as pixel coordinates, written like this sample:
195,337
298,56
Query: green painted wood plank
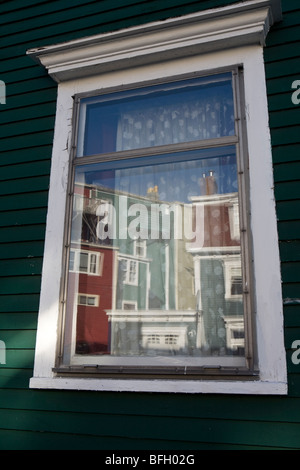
291,334
290,291
243,408
29,103
289,230
287,172
285,191
24,201
173,429
20,4
291,272
286,153
19,303
294,385
25,141
279,85
24,20
285,35
290,117
95,23
25,155
24,217
282,101
21,267
32,71
47,84
290,251
15,339
23,233
15,378
23,170
282,67
20,285
22,440
24,185
24,249
290,6
27,127
292,315
18,321
15,63
282,51
47,110
285,135
288,210
18,359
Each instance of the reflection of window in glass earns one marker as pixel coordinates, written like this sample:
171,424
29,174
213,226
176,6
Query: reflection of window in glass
130,271
171,339
84,262
153,339
172,224
236,282
140,248
129,305
88,300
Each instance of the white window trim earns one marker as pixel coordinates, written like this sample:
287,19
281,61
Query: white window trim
88,296
127,279
191,44
99,262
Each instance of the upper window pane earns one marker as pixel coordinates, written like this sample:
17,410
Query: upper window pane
164,114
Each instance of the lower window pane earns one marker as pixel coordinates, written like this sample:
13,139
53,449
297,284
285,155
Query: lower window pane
170,285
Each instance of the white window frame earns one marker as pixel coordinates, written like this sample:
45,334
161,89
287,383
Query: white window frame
226,37
127,277
88,296
98,265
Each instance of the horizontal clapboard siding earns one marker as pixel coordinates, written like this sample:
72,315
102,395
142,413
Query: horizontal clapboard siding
31,419
282,68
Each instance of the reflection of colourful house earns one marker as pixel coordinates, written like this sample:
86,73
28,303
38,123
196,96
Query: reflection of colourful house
141,275
91,286
218,275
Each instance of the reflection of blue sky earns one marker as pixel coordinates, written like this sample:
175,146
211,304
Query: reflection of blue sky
176,175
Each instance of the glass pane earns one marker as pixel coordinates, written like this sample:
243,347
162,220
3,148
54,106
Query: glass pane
178,112
182,300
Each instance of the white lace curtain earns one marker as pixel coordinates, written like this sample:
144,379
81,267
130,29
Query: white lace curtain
206,118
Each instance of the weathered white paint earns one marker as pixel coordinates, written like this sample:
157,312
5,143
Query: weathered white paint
269,317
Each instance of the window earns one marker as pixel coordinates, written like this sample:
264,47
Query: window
88,300
163,169
128,271
140,248
172,203
85,262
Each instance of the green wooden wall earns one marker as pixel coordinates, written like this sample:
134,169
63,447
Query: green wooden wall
31,419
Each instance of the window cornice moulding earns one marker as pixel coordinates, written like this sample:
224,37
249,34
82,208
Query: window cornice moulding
240,24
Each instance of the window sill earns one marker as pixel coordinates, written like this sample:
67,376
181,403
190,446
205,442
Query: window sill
245,387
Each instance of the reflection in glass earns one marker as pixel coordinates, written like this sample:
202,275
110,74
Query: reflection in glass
155,258
171,113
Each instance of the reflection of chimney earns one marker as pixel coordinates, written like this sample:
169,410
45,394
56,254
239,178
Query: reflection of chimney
153,193
211,183
208,184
